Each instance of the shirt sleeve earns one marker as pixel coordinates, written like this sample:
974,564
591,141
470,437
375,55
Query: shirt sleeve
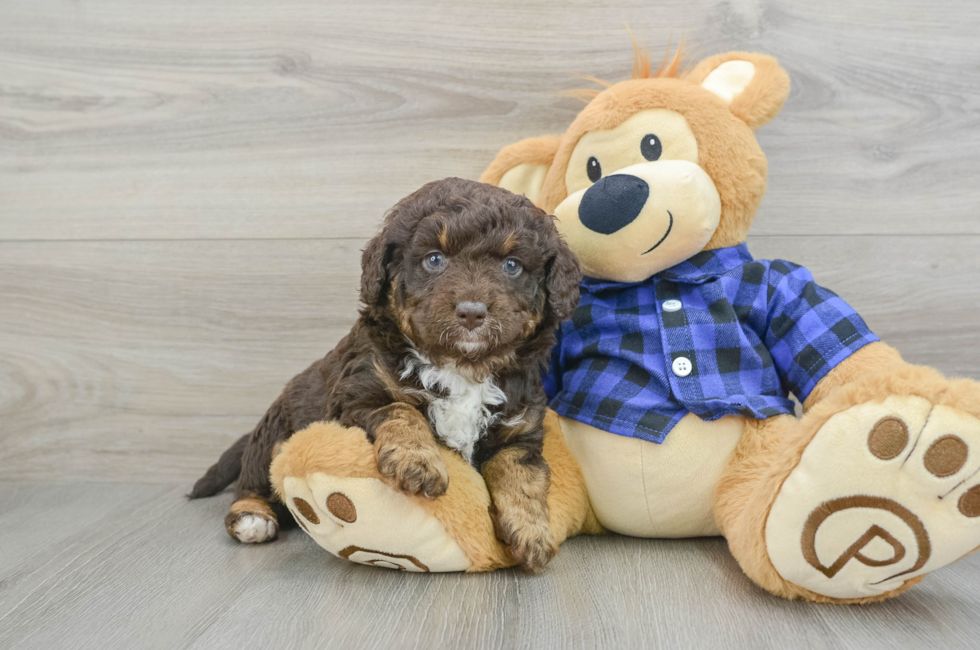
811,330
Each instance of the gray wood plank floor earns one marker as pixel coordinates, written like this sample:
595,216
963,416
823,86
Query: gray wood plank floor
185,186
138,566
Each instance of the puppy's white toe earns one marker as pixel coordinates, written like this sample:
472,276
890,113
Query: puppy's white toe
252,529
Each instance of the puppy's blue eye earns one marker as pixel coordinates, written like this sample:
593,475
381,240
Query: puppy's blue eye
512,267
434,261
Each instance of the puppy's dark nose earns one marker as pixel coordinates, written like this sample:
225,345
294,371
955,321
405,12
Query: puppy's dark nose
471,314
613,203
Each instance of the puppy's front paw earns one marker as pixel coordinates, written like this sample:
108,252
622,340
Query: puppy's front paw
414,470
530,542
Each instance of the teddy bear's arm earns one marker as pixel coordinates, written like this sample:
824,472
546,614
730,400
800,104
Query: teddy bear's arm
874,358
815,337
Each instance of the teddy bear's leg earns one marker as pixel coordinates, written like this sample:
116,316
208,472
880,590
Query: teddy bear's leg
328,478
874,487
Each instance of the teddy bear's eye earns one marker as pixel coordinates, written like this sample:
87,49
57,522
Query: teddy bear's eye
593,169
650,147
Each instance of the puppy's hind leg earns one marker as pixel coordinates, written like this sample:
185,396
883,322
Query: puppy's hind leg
254,517
251,520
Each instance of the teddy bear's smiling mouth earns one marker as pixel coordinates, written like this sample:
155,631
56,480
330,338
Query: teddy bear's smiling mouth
669,226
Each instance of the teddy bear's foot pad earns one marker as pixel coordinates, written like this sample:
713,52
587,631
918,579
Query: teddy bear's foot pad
884,492
366,521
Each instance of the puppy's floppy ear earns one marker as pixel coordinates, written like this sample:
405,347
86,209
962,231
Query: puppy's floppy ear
374,268
562,280
522,166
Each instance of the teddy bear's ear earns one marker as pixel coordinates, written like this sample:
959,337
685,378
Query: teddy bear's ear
753,85
522,166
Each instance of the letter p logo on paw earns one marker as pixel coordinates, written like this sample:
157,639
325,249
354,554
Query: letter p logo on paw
873,537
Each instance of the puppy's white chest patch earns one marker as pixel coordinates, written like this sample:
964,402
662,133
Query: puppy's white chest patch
461,417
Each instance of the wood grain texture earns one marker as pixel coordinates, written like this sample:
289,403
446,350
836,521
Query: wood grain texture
138,566
184,190
143,360
186,119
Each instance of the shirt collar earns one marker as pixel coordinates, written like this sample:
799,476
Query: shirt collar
703,266
709,264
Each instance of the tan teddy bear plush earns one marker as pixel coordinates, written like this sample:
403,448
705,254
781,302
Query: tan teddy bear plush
670,384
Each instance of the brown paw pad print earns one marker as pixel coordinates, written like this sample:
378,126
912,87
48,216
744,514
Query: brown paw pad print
337,503
888,438
945,456
341,507
969,503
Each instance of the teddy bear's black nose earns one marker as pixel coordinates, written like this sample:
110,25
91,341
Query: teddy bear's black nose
613,203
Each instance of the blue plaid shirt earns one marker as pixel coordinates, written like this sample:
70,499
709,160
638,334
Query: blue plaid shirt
751,332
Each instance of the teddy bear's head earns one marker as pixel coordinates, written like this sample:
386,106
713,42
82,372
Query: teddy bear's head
657,168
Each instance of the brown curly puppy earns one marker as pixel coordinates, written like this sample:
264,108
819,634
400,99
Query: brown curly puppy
462,290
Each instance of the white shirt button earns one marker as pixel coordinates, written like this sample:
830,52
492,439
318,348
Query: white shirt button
672,305
682,366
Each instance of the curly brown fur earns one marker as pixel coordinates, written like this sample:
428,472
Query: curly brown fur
518,479
407,453
409,321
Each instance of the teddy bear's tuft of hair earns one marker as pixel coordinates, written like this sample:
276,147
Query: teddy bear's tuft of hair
670,66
